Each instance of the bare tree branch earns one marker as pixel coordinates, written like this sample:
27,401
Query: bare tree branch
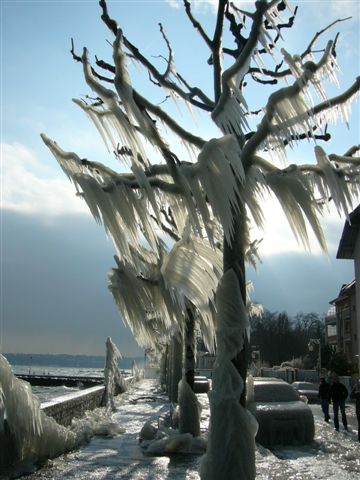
216,49
166,83
288,92
242,59
169,121
197,25
284,73
77,58
170,58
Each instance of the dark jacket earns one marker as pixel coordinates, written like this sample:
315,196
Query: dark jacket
338,392
355,394
324,390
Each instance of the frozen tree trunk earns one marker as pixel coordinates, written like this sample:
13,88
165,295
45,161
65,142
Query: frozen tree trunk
230,451
163,368
168,367
190,347
175,367
234,258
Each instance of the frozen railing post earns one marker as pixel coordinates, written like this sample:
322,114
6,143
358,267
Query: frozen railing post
112,375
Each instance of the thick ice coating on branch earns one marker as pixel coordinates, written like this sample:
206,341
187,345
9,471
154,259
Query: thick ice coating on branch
124,89
332,183
191,272
151,304
231,445
145,306
215,179
123,212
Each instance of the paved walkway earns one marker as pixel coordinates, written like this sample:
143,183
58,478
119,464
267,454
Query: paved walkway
333,455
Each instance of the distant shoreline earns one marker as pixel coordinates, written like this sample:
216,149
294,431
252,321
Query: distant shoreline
66,360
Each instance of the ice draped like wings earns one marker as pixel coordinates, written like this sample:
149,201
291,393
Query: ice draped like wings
154,305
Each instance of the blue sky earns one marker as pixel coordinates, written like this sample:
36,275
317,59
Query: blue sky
54,258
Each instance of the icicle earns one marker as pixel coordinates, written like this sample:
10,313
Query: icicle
189,410
332,183
220,170
191,272
296,199
96,116
116,117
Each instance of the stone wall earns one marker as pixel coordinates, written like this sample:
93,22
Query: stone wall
63,409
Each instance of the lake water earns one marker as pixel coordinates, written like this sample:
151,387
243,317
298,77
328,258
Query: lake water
62,365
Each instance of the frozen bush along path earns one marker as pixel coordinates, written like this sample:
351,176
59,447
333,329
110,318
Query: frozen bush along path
332,456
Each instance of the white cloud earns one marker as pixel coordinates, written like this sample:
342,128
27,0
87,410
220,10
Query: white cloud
344,8
28,186
197,6
174,3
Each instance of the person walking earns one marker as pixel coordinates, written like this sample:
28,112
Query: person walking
338,394
324,387
355,393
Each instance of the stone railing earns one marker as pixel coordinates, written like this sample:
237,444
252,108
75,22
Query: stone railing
63,409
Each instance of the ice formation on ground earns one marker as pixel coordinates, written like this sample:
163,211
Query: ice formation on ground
189,410
33,435
28,436
169,440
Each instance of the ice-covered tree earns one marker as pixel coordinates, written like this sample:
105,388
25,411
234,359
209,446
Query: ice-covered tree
206,202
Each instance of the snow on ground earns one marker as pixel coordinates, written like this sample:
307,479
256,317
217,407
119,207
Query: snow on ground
333,455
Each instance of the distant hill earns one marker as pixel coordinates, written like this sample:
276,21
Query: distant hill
70,361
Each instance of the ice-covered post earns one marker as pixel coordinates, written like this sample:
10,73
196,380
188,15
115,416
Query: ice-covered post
112,374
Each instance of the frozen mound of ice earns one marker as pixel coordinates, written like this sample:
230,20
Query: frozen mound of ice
29,434
96,422
168,441
189,410
173,444
147,432
185,439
